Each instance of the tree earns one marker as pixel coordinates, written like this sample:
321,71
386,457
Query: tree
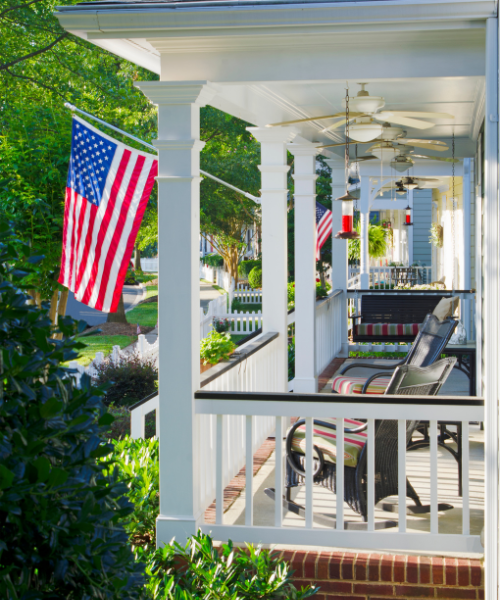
232,154
41,67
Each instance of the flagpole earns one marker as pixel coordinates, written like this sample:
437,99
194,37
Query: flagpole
73,108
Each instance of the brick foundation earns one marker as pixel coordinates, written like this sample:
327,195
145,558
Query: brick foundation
372,576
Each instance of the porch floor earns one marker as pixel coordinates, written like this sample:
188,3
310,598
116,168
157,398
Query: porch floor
418,469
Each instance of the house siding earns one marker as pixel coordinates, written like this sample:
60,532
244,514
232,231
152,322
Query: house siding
422,219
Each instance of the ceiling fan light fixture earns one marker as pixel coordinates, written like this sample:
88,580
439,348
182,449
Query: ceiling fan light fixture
401,164
365,132
411,185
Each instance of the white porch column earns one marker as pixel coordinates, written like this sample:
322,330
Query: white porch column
305,267
490,231
274,194
364,213
409,230
178,179
339,247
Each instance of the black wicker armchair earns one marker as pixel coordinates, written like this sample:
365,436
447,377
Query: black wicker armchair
431,340
406,380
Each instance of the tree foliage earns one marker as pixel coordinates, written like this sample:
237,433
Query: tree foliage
232,154
41,67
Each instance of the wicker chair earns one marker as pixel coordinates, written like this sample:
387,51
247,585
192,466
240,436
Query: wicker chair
406,380
432,338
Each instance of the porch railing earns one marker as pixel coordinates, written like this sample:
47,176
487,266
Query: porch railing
224,407
329,313
384,276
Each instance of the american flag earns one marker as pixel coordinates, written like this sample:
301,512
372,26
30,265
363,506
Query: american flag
107,191
324,224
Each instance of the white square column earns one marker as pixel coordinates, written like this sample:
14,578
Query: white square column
306,376
339,246
364,217
274,194
178,179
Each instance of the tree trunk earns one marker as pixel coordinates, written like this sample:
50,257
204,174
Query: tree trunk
61,309
119,316
137,259
53,307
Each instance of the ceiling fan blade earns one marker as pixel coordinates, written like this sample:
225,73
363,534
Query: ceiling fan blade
405,121
363,158
335,116
339,123
440,158
429,115
425,146
341,144
412,140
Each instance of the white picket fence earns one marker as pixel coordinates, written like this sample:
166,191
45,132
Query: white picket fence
218,276
246,295
149,265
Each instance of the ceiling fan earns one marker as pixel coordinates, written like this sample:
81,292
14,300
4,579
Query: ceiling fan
412,183
364,112
398,135
403,155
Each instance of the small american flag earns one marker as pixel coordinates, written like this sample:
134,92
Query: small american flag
107,191
324,224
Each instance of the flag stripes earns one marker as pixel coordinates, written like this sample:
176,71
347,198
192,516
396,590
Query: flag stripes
108,188
324,225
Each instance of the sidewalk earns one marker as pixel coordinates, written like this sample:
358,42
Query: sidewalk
207,294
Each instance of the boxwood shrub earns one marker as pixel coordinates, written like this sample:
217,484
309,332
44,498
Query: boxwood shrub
61,516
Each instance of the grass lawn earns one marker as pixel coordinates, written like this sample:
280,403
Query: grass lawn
145,277
144,314
151,290
101,343
249,308
236,338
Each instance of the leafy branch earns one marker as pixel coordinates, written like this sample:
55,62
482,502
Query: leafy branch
6,66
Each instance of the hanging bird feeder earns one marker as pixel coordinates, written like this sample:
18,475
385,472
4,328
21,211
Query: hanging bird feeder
408,222
347,232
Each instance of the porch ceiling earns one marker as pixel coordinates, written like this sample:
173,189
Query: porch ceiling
272,63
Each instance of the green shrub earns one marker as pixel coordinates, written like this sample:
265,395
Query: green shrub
216,347
255,278
221,325
127,382
130,278
199,570
291,359
61,532
139,468
212,260
321,292
246,266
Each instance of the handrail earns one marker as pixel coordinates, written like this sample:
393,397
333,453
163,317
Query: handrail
394,291
333,399
236,358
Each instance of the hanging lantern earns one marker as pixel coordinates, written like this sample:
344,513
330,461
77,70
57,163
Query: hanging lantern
347,232
408,222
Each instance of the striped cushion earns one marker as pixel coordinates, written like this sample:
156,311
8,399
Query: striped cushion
381,329
354,385
325,439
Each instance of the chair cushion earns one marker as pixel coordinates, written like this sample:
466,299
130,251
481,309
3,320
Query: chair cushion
446,307
326,440
392,329
343,384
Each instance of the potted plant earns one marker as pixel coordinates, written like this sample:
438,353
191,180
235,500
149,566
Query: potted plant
214,348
